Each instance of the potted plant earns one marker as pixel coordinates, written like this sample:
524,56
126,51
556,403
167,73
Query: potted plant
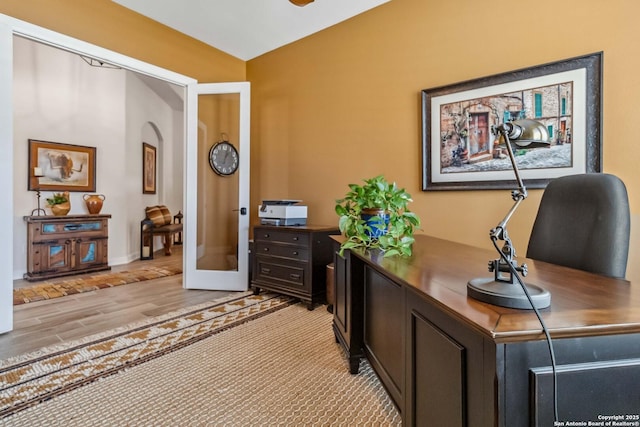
59,203
376,216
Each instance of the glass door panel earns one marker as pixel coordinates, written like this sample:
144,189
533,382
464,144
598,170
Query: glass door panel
217,224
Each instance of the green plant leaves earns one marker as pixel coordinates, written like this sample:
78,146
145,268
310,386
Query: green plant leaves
57,199
377,193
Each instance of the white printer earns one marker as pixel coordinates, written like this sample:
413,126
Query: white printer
282,212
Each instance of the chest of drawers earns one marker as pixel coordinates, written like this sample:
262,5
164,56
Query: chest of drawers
65,245
292,260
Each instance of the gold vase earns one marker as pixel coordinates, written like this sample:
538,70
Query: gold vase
60,209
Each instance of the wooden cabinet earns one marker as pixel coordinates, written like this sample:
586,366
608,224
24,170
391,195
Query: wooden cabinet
65,245
292,260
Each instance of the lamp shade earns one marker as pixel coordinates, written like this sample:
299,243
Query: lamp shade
526,133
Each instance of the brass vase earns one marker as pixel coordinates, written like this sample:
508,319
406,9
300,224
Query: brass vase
60,209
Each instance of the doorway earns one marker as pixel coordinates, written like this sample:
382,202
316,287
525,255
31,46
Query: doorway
9,220
68,98
479,134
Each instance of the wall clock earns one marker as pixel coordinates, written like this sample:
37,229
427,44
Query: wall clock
223,158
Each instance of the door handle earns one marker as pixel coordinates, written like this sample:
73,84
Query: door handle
243,211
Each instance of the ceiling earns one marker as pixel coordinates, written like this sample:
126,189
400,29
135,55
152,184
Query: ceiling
248,28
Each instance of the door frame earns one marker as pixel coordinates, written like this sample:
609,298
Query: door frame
10,27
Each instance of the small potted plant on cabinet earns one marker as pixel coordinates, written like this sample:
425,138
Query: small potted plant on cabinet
376,216
59,203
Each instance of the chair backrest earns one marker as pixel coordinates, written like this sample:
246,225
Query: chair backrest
583,222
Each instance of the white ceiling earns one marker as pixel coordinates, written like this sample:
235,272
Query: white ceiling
248,28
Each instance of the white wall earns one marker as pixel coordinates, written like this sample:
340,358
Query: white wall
151,120
58,97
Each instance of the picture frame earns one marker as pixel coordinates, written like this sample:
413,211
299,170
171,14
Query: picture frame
148,168
55,166
459,152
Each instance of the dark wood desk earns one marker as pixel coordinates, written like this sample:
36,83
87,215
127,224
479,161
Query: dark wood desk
447,359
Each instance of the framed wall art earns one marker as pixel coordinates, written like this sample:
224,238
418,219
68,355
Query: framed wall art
148,169
55,166
460,152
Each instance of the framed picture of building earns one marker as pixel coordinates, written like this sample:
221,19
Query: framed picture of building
461,151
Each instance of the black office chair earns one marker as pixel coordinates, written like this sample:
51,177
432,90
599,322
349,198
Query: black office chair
583,222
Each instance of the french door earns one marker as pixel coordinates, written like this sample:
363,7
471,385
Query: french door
216,251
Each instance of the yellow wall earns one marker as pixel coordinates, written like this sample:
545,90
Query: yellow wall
109,25
344,104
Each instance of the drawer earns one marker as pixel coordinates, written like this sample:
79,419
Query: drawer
289,276
283,251
280,236
61,229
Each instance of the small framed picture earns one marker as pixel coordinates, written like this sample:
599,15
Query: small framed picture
148,169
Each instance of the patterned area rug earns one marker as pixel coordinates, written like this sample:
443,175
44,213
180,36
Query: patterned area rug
88,283
247,360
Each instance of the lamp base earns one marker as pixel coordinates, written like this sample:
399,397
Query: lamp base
505,294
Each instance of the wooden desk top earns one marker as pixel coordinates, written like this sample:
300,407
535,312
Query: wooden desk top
582,303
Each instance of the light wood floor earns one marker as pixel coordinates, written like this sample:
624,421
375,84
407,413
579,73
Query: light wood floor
45,323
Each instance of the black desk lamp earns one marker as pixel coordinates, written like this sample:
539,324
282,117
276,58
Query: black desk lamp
504,289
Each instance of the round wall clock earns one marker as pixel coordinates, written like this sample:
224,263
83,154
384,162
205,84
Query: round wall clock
223,158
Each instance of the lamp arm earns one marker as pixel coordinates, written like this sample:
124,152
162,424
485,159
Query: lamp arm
500,231
521,191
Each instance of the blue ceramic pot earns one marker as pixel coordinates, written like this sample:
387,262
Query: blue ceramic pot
377,220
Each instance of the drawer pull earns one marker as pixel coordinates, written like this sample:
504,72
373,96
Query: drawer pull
295,252
296,238
266,236
265,270
46,242
294,276
266,249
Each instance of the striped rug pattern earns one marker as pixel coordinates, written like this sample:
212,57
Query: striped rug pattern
247,360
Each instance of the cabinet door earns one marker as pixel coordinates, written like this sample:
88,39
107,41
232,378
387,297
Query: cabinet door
450,370
52,256
89,252
384,324
348,306
341,300
438,366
